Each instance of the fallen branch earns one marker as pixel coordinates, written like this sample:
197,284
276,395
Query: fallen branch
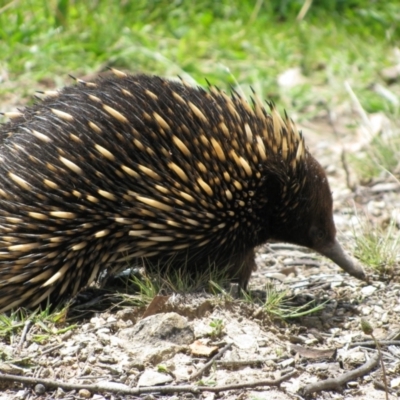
340,381
27,326
243,363
114,387
371,343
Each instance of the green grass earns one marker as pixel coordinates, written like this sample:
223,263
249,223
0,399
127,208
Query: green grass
277,304
175,278
42,41
378,247
380,156
231,43
45,324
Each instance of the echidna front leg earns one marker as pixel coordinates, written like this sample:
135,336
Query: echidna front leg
243,267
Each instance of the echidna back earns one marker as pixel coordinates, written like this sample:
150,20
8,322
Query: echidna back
137,167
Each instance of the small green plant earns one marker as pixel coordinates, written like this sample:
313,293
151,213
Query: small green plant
162,368
44,323
217,326
277,303
378,247
179,276
11,323
174,277
207,382
279,352
218,290
147,289
182,279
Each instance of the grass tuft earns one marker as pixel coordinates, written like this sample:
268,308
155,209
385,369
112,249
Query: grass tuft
278,304
45,323
378,247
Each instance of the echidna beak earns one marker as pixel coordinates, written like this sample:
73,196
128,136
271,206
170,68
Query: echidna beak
336,253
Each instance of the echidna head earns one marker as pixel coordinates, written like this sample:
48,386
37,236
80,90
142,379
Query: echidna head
309,221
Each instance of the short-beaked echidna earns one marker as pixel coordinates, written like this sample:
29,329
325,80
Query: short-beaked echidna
140,167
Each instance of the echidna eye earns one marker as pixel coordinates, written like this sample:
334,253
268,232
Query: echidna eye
317,234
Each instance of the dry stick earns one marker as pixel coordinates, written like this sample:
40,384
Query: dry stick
337,383
346,169
265,382
381,386
255,11
49,350
27,326
201,371
241,363
371,343
304,10
113,387
368,330
9,5
359,108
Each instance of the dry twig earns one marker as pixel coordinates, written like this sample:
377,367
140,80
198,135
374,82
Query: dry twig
337,383
120,388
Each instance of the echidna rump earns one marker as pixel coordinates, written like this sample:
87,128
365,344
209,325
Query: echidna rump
139,167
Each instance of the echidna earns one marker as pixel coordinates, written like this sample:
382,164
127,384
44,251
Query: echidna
141,167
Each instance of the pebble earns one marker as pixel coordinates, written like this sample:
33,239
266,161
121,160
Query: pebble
40,389
368,290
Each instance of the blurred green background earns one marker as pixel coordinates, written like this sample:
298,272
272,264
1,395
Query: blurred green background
229,42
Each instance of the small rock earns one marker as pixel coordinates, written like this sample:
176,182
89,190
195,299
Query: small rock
92,359
103,331
199,349
114,386
97,322
395,383
368,290
153,378
385,187
355,357
127,315
21,395
378,310
366,310
170,327
108,360
85,394
60,394
352,384
287,363
40,389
